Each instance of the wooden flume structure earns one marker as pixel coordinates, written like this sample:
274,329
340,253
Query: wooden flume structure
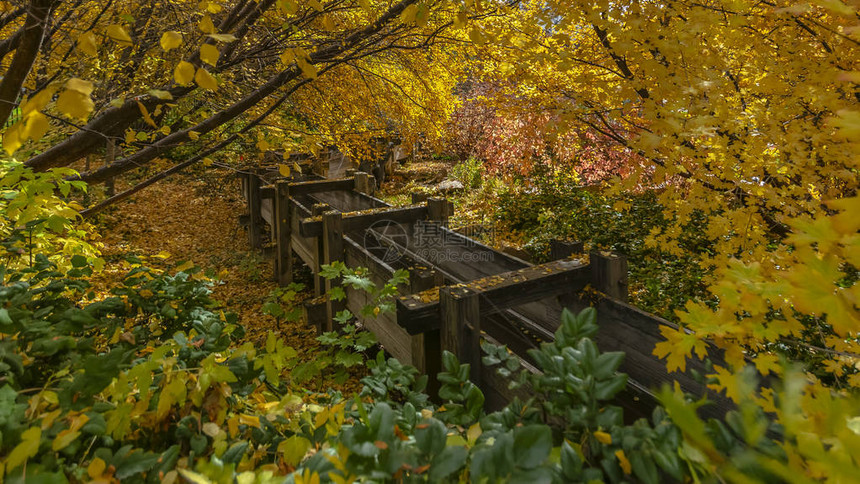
460,291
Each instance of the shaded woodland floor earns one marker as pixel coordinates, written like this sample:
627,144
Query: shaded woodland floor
195,218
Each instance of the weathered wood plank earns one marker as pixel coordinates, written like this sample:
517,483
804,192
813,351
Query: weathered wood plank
304,247
356,221
284,239
609,273
362,182
314,312
426,347
500,292
267,211
559,249
635,332
461,327
347,201
315,186
495,387
254,211
333,250
392,337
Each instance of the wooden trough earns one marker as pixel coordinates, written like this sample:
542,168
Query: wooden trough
460,291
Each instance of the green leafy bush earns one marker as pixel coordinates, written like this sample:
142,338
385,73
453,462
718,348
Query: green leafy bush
469,172
152,384
662,279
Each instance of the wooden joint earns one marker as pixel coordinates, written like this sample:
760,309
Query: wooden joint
609,273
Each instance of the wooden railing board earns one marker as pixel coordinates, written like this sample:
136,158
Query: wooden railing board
350,201
393,338
267,192
267,211
363,220
500,292
635,332
317,186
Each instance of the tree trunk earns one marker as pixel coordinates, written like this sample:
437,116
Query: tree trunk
25,54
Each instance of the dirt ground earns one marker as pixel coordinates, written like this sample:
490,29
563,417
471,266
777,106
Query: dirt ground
196,218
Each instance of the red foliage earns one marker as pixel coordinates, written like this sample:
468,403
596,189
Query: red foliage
514,137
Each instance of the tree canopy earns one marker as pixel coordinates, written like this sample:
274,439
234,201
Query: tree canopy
744,114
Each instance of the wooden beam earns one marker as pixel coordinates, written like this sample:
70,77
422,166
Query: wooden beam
609,273
254,211
623,327
559,249
267,192
284,238
438,209
361,220
314,312
362,182
332,251
267,211
426,347
499,292
317,210
461,327
304,188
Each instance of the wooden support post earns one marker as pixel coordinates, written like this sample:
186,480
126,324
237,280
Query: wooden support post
426,347
333,250
559,249
283,237
372,184
461,327
439,209
362,182
320,208
316,165
609,273
315,314
254,202
319,282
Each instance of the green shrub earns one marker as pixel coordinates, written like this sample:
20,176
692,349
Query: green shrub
469,172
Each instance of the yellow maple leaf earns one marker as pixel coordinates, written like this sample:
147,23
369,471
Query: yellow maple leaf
209,54
170,40
205,80
75,100
678,346
12,138
36,126
118,34
184,73
206,26
87,43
